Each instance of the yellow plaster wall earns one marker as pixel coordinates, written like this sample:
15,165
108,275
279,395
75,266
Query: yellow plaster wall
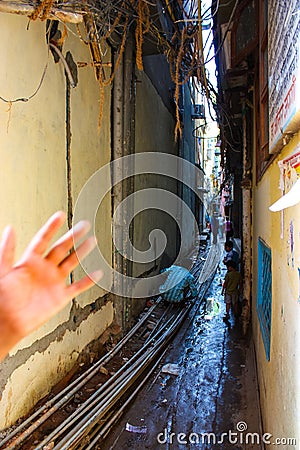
279,379
34,181
90,150
32,135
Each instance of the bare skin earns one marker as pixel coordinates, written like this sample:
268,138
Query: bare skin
228,305
34,289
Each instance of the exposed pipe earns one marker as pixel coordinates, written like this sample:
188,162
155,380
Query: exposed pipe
130,376
66,394
246,224
27,10
117,190
119,413
129,134
103,392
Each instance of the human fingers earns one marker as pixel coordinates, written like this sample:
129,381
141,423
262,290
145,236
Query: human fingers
72,260
43,237
66,242
84,284
7,250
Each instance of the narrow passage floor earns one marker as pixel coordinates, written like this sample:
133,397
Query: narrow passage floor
211,402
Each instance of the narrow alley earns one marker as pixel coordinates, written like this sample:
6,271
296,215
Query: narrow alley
132,134
212,400
203,392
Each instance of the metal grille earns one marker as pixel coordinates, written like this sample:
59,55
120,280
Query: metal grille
264,294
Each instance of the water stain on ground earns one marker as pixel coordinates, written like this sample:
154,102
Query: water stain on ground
213,401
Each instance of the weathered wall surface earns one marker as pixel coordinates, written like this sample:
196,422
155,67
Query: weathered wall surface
154,132
49,147
188,152
279,379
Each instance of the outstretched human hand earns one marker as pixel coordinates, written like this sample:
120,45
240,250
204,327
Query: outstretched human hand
34,289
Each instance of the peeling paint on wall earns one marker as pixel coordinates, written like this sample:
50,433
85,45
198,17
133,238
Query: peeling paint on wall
291,244
23,387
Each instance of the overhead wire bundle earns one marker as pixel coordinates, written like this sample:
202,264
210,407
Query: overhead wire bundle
173,26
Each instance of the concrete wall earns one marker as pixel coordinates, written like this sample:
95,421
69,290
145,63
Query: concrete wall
189,153
35,175
279,378
154,132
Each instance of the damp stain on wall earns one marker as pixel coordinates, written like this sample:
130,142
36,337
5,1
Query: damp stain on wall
291,256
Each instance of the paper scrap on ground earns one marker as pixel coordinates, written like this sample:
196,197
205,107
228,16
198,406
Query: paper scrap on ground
212,308
135,429
172,369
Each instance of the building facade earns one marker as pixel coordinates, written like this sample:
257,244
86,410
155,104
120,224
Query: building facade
257,45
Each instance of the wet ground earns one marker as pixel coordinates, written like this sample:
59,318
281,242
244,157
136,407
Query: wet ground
210,401
203,393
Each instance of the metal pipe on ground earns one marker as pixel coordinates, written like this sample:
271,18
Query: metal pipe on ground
85,425
119,413
66,394
105,389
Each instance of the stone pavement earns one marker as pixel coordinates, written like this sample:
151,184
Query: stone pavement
211,402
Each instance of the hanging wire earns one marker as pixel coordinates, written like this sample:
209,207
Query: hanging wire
26,99
217,51
106,24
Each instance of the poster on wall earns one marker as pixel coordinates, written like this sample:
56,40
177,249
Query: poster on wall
283,71
289,182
